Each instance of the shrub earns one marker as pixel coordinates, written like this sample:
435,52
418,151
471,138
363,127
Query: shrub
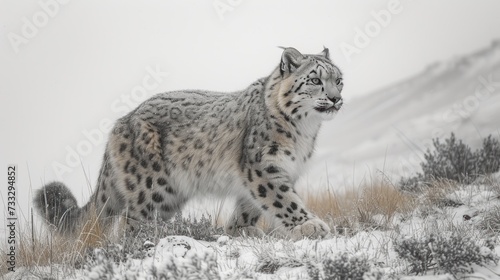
343,267
453,254
416,251
488,158
491,220
454,160
201,229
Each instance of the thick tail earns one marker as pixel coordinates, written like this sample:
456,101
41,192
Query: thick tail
58,206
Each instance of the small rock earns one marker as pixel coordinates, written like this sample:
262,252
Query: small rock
223,240
471,213
148,244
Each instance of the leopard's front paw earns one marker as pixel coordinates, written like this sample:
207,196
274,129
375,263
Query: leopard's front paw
314,228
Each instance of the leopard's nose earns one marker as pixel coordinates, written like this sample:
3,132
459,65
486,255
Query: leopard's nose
336,100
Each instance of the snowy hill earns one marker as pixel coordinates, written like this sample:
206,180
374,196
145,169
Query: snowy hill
389,129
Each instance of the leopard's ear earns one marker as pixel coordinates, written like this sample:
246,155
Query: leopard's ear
326,53
290,60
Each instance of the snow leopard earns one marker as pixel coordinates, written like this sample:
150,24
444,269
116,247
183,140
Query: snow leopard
251,145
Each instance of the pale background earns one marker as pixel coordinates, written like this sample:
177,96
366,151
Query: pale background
76,69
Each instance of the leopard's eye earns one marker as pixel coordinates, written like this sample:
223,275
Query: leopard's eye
339,81
316,81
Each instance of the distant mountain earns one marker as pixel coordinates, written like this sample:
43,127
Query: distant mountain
389,129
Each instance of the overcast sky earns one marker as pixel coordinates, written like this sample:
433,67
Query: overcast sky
68,69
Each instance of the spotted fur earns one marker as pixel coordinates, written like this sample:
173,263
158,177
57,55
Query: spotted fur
252,144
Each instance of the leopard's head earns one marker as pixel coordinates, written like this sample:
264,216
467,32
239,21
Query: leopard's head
311,85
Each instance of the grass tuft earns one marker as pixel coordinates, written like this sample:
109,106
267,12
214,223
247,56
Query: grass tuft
355,210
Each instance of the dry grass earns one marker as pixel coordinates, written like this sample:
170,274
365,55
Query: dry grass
44,248
356,208
439,194
493,181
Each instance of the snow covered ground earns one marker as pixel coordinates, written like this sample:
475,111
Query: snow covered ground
460,211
